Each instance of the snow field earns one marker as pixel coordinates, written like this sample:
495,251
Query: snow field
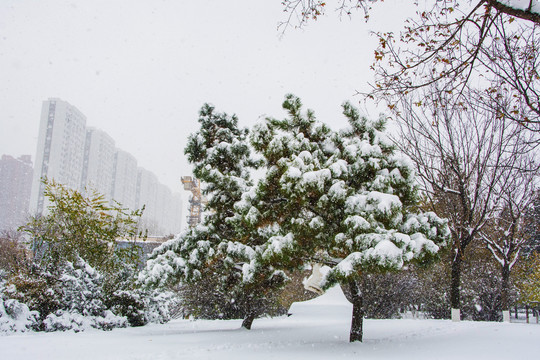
317,329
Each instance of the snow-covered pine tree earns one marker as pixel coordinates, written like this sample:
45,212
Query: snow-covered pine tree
205,254
346,200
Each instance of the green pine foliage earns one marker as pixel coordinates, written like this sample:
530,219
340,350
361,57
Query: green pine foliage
221,160
346,199
208,259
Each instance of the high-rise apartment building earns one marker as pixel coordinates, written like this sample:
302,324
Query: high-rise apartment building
163,196
81,157
163,209
98,163
15,185
146,192
124,187
60,149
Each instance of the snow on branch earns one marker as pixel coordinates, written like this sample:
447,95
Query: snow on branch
518,9
451,191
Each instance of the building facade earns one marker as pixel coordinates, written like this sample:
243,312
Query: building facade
86,159
162,208
124,187
60,149
99,162
15,185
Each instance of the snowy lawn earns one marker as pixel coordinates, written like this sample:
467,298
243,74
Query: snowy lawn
318,329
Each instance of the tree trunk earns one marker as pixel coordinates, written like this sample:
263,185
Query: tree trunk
248,320
505,290
358,312
455,283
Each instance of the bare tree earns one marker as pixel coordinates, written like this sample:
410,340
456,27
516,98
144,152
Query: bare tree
301,11
455,48
454,44
465,150
506,234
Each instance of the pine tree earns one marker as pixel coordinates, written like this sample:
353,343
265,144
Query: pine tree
344,199
204,258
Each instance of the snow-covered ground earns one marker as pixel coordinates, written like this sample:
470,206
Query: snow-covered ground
317,329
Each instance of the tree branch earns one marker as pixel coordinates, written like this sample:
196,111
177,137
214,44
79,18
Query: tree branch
522,14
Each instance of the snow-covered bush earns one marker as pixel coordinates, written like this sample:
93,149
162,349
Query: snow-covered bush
88,304
140,307
78,277
71,298
14,315
75,297
63,320
158,306
125,297
39,289
82,289
129,304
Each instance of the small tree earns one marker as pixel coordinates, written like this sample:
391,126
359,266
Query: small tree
346,200
506,235
87,227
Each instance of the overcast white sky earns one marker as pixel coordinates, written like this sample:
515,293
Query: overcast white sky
141,69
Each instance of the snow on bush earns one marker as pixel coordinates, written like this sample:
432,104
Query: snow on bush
82,300
62,321
15,316
159,305
82,288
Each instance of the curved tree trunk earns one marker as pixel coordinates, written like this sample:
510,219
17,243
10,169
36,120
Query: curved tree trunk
358,312
248,320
